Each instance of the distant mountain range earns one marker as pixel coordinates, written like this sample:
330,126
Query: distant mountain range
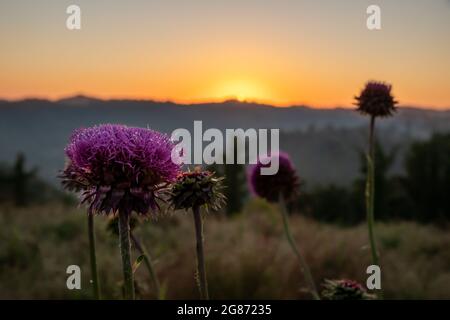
324,143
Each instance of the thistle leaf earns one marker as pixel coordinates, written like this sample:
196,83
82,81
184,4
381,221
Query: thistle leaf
138,262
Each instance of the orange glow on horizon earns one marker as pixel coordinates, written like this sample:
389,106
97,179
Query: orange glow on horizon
244,98
275,54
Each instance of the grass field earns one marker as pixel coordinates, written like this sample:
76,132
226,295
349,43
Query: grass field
247,255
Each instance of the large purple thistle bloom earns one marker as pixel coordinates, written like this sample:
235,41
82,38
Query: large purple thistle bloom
285,182
119,168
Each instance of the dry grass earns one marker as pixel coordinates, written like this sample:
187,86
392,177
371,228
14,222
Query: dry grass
247,256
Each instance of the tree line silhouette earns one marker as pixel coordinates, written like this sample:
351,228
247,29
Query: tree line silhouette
420,193
22,187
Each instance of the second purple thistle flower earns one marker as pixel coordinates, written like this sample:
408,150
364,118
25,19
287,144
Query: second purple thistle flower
270,187
281,187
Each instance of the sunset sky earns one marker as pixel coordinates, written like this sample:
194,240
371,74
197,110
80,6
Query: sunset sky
318,53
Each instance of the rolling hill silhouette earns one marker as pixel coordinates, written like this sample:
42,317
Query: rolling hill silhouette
324,143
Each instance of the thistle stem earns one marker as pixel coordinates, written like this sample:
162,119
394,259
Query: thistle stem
370,195
201,270
370,191
93,257
148,264
303,265
125,251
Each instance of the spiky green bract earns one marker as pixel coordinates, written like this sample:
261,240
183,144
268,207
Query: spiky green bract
196,189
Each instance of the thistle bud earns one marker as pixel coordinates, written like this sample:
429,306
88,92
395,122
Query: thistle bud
197,188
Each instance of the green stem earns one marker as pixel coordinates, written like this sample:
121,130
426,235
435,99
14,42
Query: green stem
148,264
370,192
93,257
303,265
125,251
201,270
370,196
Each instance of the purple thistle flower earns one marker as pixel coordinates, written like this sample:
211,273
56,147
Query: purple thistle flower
281,187
119,168
376,100
269,187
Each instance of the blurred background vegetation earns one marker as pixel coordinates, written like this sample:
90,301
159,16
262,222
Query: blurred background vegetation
42,232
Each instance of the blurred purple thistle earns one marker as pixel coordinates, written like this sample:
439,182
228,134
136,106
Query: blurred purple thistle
345,289
281,187
269,187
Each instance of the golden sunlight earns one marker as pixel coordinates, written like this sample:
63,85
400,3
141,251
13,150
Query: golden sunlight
242,90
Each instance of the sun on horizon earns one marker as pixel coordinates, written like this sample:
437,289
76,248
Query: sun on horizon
241,90
291,54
